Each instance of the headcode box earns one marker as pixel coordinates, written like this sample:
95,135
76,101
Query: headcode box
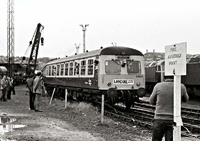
175,59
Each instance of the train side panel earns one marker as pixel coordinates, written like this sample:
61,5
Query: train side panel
89,83
191,80
151,75
72,81
192,77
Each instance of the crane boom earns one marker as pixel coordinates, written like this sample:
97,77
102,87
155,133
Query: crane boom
34,43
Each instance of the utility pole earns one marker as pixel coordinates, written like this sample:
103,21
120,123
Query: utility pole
84,29
10,36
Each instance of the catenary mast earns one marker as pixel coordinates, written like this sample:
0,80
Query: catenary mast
10,36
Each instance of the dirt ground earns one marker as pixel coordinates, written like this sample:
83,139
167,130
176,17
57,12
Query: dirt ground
77,122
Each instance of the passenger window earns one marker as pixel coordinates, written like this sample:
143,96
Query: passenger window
53,70
83,66
76,68
133,66
90,67
58,70
62,70
71,69
49,70
112,67
66,68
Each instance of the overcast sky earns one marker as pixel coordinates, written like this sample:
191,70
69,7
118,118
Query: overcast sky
140,24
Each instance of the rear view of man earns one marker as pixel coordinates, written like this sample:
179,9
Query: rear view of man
38,87
29,83
162,97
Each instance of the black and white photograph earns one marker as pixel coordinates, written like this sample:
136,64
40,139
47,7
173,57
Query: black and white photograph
99,70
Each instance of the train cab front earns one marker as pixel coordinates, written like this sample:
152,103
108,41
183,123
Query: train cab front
123,77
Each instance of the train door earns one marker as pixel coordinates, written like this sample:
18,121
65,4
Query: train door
160,69
77,72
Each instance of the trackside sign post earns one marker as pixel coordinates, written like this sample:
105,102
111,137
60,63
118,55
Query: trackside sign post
175,59
175,64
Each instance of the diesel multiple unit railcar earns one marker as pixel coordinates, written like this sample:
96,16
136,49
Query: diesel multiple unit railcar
191,80
117,72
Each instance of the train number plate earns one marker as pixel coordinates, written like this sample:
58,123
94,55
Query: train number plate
123,81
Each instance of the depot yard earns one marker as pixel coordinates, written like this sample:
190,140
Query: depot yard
77,122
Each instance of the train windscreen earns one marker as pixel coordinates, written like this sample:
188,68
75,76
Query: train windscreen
133,66
113,67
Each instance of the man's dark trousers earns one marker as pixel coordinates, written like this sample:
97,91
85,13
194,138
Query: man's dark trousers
31,100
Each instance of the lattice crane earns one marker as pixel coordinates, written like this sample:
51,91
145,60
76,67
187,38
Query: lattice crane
34,44
10,36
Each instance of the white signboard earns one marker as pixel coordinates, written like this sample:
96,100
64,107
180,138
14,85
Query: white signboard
175,59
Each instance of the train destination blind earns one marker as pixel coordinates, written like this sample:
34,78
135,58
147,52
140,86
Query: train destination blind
123,81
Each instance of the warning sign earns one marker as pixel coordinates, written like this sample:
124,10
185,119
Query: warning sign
175,59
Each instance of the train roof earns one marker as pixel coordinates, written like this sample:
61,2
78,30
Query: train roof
113,50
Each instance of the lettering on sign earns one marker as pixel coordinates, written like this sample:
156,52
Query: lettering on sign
173,49
172,62
174,56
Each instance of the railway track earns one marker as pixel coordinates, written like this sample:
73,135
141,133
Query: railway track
190,116
142,114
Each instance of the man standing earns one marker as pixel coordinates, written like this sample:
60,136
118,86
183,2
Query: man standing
9,88
29,83
13,85
38,85
162,97
4,86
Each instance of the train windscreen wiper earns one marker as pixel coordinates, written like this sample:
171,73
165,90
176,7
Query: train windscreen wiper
116,62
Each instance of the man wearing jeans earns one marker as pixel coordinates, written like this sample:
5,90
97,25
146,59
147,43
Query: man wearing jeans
162,97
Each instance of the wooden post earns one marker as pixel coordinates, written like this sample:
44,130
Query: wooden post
102,108
177,108
66,93
52,96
